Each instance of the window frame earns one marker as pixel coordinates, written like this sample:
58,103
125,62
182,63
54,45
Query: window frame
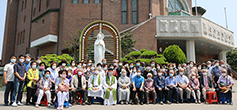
124,11
135,11
86,3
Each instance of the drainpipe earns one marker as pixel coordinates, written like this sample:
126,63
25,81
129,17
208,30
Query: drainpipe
58,25
15,29
28,50
101,10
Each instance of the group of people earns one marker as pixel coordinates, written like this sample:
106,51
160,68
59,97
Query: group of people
120,82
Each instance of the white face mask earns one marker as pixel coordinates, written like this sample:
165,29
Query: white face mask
222,65
224,74
170,68
28,59
110,73
105,68
191,65
115,64
120,64
73,64
92,68
84,65
181,73
184,67
79,66
38,61
69,74
193,77
152,65
199,68
123,74
163,70
158,68
160,74
64,64
204,74
88,69
21,60
99,68
54,67
79,73
33,66
217,64
208,66
138,74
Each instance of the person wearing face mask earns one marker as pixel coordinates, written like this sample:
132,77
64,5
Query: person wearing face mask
191,69
119,68
41,70
54,72
78,84
101,71
148,70
216,73
114,71
138,85
104,62
79,65
63,66
172,86
163,70
19,81
224,66
33,76
105,68
95,86
225,82
124,89
205,83
38,61
44,86
139,67
89,63
149,87
194,87
110,88
9,76
183,83
27,61
158,67
72,65
161,88
62,88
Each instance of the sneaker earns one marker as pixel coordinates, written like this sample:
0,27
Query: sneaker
14,104
61,108
126,102
27,103
161,102
195,101
5,104
231,103
36,105
70,105
181,101
83,103
58,108
49,105
168,102
19,103
141,103
121,102
199,101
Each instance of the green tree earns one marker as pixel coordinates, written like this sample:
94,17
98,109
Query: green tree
231,57
127,43
174,54
143,50
135,54
73,44
53,57
161,59
149,54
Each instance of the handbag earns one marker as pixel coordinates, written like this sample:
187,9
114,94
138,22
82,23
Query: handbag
64,88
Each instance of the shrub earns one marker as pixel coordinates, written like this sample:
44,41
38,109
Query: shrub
174,54
124,59
149,54
143,50
53,57
130,61
231,57
144,60
135,54
128,57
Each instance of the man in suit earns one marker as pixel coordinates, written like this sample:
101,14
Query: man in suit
205,83
78,84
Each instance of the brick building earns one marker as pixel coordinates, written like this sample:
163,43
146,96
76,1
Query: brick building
39,27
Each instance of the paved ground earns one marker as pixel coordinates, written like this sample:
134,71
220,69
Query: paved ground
135,107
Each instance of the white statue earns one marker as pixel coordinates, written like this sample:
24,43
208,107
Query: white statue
99,48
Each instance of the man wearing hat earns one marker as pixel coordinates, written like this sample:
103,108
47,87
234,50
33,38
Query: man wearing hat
225,83
110,88
149,87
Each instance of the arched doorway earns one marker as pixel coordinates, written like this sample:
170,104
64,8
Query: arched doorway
110,31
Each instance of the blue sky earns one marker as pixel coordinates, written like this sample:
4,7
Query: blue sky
215,12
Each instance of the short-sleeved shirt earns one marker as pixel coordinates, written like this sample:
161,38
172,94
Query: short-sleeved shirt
138,81
9,68
227,80
27,66
171,81
20,69
216,71
182,79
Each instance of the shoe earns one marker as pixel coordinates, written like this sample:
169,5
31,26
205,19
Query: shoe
147,103
188,100
83,103
168,102
141,103
161,102
181,101
113,104
27,103
126,102
231,103
89,103
49,105
132,103
199,101
195,101
58,108
70,105
61,108
121,102
154,102
14,104
36,105
19,103
6,104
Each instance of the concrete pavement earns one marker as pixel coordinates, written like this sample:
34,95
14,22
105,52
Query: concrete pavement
184,106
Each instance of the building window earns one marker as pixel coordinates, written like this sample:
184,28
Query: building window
97,1
174,5
124,11
23,39
39,5
22,5
75,1
20,37
85,1
134,11
18,40
25,4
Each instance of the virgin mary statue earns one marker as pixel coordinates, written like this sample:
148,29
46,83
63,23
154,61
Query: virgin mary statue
99,48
